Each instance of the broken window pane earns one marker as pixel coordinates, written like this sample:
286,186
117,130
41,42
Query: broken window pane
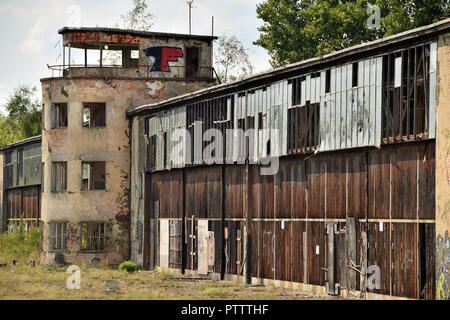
94,115
93,176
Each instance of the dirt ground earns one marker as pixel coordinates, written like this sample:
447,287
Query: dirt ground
49,283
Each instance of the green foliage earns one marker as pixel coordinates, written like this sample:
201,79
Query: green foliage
20,245
24,116
128,266
139,17
296,30
232,59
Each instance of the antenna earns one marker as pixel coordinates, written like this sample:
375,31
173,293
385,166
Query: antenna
189,2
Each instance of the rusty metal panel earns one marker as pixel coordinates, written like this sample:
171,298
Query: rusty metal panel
316,187
404,259
298,260
316,253
427,173
378,253
379,184
404,182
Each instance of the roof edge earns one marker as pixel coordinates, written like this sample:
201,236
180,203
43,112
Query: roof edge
21,142
364,47
137,32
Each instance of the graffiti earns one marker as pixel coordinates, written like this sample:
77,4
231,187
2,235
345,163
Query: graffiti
442,266
408,260
162,56
86,36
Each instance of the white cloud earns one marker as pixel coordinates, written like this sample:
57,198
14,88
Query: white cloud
34,42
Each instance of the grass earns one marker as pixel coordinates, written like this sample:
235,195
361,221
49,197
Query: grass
41,282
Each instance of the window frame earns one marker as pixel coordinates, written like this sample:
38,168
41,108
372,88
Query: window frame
54,178
90,163
88,105
60,237
101,237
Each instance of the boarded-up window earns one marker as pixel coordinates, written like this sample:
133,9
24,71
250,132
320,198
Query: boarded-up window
59,176
58,235
92,236
93,176
59,115
94,115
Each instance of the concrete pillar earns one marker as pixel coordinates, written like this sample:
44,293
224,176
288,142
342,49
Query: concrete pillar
443,169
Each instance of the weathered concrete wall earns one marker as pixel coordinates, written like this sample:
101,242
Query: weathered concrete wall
111,144
443,170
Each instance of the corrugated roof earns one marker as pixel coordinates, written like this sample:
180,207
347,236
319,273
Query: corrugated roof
424,31
21,142
137,33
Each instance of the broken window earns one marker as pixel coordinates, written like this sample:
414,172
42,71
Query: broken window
94,115
191,62
58,235
59,115
19,165
8,167
93,176
151,153
355,74
328,81
406,85
59,176
92,236
303,128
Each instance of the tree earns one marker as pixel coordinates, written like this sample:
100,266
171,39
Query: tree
231,57
24,116
137,18
296,30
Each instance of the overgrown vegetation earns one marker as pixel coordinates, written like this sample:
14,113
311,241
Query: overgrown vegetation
25,283
128,266
20,245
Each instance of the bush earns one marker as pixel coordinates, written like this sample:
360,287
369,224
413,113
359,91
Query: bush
128,266
20,245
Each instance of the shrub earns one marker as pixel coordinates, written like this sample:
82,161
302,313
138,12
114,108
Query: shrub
20,245
128,266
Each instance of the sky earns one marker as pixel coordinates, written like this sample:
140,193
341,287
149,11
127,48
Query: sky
30,39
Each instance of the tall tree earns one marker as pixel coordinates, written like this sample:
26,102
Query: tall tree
137,18
232,59
296,30
24,116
